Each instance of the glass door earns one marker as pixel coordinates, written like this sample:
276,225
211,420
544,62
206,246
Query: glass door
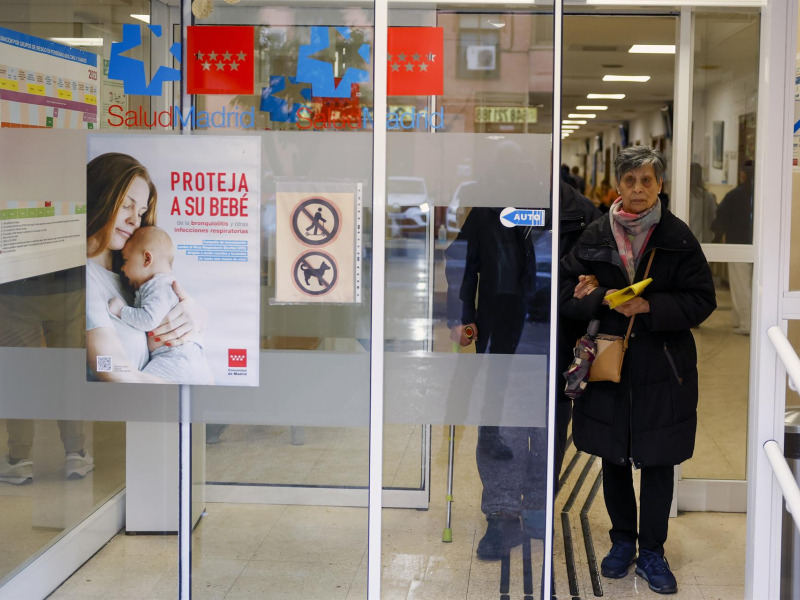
469,255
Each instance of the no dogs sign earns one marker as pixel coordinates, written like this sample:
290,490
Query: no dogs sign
315,246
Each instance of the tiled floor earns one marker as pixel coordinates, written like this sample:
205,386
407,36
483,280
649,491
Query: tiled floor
288,552
723,359
292,552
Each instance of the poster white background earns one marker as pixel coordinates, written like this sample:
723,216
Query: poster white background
229,291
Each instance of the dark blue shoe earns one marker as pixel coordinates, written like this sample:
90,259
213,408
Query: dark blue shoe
654,569
618,560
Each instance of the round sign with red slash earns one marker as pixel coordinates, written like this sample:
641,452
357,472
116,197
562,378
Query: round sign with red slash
316,221
315,273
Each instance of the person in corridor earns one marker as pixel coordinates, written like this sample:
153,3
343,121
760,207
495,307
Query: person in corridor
648,420
734,225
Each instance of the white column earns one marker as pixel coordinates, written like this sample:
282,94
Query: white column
682,145
378,308
771,238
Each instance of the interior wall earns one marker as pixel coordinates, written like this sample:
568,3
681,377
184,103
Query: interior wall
722,101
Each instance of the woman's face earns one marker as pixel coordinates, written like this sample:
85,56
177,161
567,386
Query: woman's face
129,215
639,189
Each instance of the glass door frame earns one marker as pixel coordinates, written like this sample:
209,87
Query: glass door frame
773,303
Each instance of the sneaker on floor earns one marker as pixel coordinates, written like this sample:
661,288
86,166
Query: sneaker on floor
17,474
503,532
618,560
654,569
77,466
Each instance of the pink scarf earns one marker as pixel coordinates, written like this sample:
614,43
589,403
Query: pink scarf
639,227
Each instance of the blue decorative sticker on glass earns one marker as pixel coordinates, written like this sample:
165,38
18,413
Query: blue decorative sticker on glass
284,97
131,71
318,62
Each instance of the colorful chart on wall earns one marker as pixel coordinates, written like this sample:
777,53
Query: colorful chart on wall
204,234
46,85
316,243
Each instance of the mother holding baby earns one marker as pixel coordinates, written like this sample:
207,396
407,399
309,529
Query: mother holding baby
121,198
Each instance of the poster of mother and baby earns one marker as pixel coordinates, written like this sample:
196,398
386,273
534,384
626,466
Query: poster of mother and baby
172,259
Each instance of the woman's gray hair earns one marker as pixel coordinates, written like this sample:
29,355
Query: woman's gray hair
637,157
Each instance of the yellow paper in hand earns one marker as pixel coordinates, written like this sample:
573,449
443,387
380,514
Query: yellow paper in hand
629,293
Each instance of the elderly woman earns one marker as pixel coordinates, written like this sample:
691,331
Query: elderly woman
648,420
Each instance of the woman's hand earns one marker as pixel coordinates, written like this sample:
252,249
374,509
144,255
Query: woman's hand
184,323
586,285
459,336
636,306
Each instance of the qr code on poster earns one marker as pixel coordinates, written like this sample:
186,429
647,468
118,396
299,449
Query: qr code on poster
104,364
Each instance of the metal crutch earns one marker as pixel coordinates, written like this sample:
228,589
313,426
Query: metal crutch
447,536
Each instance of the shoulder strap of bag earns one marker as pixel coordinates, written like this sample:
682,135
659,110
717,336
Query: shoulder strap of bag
630,325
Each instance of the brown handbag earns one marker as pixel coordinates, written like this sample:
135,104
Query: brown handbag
607,365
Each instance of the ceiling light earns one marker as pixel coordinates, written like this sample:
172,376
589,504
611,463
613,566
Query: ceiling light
570,127
84,41
634,78
604,97
145,18
498,24
591,108
574,122
581,116
652,49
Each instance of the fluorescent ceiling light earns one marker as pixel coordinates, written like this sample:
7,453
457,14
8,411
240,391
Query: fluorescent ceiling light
570,127
573,122
591,108
604,97
634,78
83,41
581,116
652,49
146,19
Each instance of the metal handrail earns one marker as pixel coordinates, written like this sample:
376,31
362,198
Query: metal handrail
785,477
783,474
786,353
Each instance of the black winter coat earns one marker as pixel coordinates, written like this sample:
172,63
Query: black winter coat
650,416
576,213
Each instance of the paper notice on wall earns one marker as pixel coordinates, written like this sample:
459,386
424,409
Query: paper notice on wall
204,234
112,93
315,243
46,84
31,230
42,204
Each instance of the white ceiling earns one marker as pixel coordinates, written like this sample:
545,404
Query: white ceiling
598,46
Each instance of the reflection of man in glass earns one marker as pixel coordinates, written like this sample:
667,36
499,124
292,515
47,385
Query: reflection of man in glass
734,225
490,270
